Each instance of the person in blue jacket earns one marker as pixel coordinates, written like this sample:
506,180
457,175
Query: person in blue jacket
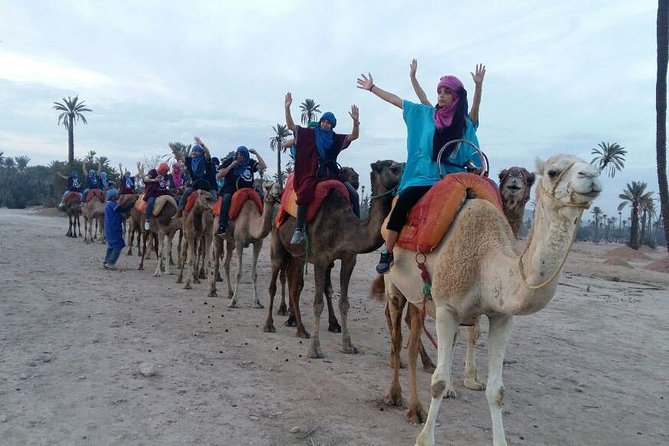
428,130
113,228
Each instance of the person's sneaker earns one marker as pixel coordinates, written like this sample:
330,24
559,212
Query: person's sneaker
108,266
147,225
298,237
385,262
220,232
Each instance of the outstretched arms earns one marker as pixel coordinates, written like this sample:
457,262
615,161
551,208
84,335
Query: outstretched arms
288,100
477,76
207,155
367,83
414,83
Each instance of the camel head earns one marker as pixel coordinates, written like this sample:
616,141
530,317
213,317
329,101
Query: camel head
350,175
385,175
203,200
273,191
514,185
568,181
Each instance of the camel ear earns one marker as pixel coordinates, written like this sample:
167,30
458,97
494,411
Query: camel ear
539,166
531,178
503,174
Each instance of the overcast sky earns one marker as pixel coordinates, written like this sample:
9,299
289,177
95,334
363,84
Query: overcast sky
561,76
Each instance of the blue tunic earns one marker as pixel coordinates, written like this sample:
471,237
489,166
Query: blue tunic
113,226
420,169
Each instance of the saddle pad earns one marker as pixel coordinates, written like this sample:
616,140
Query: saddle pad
216,208
94,193
289,199
430,219
190,202
71,196
240,197
140,204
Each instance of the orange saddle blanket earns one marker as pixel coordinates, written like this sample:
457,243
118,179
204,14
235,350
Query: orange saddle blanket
140,204
238,199
430,218
95,193
289,199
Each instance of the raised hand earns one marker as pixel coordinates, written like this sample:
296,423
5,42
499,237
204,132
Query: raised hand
355,113
366,82
413,66
198,140
479,74
288,101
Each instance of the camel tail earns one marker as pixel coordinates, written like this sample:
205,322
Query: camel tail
378,289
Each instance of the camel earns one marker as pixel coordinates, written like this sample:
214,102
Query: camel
72,204
490,277
335,233
163,226
197,228
93,211
250,227
514,185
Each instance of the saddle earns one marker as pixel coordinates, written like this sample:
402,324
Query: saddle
431,218
240,197
289,199
95,193
70,197
141,205
190,201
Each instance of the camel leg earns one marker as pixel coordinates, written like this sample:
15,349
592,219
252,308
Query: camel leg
333,323
209,267
428,365
141,262
183,252
238,277
500,331
394,306
447,335
257,246
320,272
218,251
160,256
471,373
347,265
269,323
282,311
229,247
190,254
416,413
168,245
295,285
78,224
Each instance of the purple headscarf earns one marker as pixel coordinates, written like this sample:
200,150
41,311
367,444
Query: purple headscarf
443,117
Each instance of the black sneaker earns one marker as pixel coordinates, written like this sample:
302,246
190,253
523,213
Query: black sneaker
298,237
220,232
385,263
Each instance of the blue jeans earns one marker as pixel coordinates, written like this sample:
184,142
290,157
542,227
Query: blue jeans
112,255
354,197
150,203
225,208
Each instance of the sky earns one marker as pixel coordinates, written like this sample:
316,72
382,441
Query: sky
561,76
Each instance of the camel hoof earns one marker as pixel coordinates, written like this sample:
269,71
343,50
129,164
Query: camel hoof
416,415
429,368
258,305
473,384
212,294
282,311
140,268
315,354
172,263
394,398
269,328
303,334
334,328
350,349
179,280
233,304
291,322
188,287
451,393
156,274
231,294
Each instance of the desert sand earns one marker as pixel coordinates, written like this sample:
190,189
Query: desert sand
90,356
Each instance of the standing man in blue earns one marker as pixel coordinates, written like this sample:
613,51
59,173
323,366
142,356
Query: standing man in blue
113,228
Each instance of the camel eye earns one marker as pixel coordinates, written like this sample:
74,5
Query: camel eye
553,173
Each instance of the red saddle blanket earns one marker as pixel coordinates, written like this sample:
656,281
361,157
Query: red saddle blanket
430,219
140,204
71,196
95,193
238,199
289,199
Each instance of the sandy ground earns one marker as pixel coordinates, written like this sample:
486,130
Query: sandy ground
591,369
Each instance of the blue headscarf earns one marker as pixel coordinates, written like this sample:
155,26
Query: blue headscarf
111,192
325,138
241,167
129,182
103,179
197,163
74,174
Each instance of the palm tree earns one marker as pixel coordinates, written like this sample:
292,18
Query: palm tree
661,110
21,162
276,143
634,194
72,111
609,157
180,150
310,110
648,213
597,212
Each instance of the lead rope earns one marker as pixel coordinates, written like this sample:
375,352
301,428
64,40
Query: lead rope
427,293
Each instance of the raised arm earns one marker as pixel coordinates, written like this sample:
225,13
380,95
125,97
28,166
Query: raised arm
99,166
62,176
478,76
289,118
261,162
207,155
84,167
367,83
414,83
355,115
140,169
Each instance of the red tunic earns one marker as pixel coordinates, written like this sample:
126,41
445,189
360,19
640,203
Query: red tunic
306,163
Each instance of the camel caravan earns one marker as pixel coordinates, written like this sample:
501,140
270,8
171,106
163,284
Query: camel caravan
448,235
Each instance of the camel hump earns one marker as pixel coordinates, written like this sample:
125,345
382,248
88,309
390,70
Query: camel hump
289,199
431,218
242,196
161,201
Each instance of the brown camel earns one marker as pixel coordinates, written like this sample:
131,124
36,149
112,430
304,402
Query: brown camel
250,227
197,228
72,204
491,277
93,212
335,234
162,228
514,185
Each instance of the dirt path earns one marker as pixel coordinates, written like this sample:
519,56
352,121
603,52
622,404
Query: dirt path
591,369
